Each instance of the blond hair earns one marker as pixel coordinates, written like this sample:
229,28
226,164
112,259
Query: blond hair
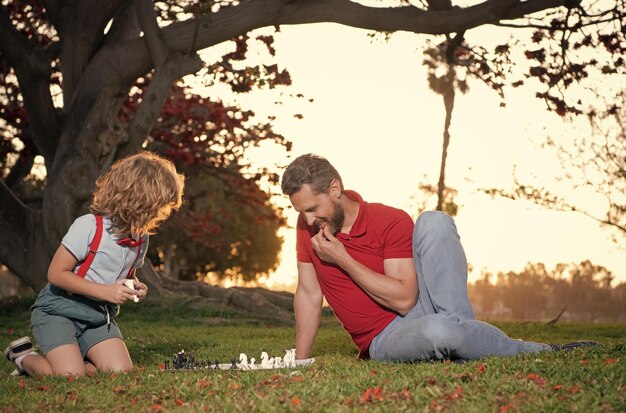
138,193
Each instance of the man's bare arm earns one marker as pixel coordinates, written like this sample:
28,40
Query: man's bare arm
308,308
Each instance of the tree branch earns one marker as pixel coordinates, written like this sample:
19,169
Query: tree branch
125,25
169,67
89,18
439,4
175,67
32,68
151,31
21,168
543,198
231,22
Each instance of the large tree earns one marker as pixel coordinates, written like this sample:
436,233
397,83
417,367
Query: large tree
71,84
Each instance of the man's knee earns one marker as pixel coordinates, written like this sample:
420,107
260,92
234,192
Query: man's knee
428,219
441,332
431,222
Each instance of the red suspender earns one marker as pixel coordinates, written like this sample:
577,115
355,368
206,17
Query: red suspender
131,272
93,248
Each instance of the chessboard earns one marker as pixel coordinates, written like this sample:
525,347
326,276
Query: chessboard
188,361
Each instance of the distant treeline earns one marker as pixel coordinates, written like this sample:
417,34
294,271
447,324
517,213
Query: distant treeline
584,290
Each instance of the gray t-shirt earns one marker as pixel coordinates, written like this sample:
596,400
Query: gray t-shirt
112,261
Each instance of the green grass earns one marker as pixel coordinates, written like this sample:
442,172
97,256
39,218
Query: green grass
584,380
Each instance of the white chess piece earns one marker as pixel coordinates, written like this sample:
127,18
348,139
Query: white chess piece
278,363
265,362
290,358
243,361
131,284
252,365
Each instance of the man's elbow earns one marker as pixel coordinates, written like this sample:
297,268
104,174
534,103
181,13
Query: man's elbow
311,299
405,306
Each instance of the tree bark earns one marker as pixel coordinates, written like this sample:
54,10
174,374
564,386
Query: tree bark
32,68
253,303
89,19
23,248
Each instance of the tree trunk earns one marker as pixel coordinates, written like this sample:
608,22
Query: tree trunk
23,247
257,304
448,100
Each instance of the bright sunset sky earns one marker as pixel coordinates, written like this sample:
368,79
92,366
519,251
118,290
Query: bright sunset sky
375,119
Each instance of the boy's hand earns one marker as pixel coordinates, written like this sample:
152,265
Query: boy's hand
117,293
141,289
131,284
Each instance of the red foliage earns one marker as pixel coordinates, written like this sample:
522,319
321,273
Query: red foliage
537,379
296,402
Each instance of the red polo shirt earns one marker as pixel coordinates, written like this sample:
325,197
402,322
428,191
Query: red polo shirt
378,233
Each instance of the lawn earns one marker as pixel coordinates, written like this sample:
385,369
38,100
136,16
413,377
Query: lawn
583,380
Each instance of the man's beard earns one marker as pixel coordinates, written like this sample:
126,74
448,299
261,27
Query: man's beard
335,222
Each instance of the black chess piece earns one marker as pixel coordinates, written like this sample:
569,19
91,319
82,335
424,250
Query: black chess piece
233,364
180,360
167,365
217,364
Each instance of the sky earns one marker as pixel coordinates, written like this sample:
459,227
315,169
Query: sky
374,118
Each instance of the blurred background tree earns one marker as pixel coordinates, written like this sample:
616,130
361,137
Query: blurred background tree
584,290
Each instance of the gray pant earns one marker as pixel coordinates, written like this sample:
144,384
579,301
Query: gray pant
442,324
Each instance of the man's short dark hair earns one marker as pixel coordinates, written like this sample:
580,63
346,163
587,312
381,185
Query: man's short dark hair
309,169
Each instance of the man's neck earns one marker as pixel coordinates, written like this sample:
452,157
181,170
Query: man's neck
351,211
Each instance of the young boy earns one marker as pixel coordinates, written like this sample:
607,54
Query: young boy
72,318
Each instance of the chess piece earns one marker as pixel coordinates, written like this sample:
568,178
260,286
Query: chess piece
243,361
233,364
290,358
131,284
265,363
252,365
278,363
217,364
177,360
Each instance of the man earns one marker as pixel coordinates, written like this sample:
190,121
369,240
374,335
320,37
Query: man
399,289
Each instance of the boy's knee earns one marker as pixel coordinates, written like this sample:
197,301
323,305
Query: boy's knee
121,367
68,371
